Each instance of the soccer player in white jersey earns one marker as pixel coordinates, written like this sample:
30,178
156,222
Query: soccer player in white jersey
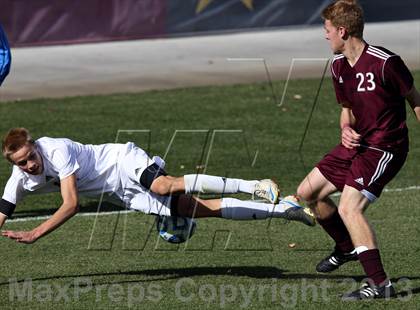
124,173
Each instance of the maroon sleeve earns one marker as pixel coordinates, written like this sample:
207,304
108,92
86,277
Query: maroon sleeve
338,87
397,76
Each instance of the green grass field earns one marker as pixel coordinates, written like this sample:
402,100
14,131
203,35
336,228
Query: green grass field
235,131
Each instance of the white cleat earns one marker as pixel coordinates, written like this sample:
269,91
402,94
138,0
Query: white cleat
295,212
267,190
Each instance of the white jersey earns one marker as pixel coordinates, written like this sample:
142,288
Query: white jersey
97,169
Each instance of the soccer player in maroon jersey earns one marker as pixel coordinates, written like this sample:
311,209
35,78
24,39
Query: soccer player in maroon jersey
371,84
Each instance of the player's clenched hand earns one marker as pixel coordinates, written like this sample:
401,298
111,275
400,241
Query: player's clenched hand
20,236
350,138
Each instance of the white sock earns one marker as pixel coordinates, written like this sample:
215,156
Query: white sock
236,209
361,249
208,184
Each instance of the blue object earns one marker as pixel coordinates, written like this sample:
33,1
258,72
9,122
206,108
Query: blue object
5,56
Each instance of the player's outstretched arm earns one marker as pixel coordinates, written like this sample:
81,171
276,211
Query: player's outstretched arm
413,98
66,211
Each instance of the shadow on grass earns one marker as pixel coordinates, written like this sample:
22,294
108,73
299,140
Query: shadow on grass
407,293
256,272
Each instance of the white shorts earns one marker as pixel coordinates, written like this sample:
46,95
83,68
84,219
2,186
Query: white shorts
150,203
131,166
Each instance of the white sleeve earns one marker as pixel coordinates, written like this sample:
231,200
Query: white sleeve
64,160
14,191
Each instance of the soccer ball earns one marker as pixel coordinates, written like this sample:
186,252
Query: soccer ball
175,229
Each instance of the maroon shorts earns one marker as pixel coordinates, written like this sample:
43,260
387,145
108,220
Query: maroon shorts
365,169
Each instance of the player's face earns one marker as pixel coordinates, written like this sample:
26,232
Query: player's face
335,36
28,159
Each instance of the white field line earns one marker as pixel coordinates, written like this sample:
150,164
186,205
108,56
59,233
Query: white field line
37,218
45,217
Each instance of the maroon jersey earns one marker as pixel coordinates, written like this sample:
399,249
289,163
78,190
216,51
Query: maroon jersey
375,89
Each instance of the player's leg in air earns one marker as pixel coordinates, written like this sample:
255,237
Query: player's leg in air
235,209
184,204
207,184
169,195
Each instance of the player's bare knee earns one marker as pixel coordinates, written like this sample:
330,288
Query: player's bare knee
310,198
344,214
305,194
161,185
347,211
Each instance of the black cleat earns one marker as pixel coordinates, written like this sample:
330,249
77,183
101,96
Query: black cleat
335,260
295,212
370,291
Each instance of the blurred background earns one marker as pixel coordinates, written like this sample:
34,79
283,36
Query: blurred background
155,44
41,22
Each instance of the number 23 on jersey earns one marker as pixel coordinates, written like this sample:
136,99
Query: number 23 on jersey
365,82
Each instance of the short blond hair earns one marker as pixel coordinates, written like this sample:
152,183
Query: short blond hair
347,14
14,140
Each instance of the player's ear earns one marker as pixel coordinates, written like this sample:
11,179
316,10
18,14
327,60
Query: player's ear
343,33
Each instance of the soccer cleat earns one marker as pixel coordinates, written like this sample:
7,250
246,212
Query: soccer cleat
335,260
267,190
295,212
370,291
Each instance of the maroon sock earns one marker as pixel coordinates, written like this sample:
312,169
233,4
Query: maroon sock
335,227
372,264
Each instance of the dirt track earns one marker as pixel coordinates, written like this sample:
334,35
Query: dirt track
134,66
